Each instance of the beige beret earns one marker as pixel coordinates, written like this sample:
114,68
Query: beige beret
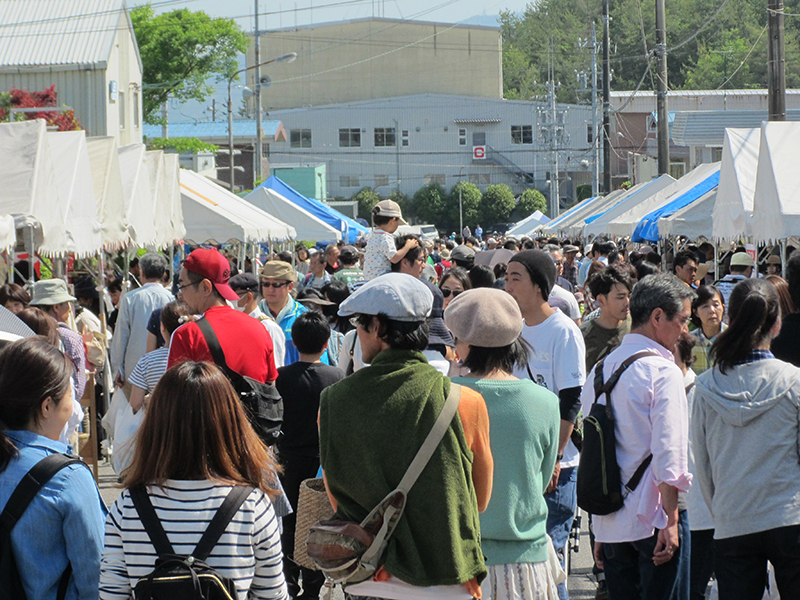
277,269
485,317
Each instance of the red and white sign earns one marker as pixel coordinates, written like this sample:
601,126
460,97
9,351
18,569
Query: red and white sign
478,152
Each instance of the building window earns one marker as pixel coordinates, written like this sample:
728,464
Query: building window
437,178
716,154
136,110
121,101
300,138
348,180
404,138
479,138
677,169
349,138
520,134
381,180
589,134
480,178
462,137
385,136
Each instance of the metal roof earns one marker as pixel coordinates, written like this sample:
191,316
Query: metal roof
218,130
707,127
380,20
694,93
52,33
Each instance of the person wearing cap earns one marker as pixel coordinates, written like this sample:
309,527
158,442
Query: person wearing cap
130,333
570,266
246,286
487,324
203,286
381,252
741,267
371,425
350,274
773,264
557,362
685,267
463,256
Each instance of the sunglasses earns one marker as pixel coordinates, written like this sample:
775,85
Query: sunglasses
446,293
273,284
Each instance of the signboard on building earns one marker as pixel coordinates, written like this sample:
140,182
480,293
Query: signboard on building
479,153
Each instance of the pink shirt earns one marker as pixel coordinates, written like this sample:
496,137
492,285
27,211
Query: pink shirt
652,417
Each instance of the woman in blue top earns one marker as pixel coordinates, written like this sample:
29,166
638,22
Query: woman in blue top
524,419
63,525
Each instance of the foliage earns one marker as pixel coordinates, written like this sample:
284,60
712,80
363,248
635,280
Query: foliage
366,198
181,145
470,203
497,204
530,201
429,203
47,98
180,51
583,192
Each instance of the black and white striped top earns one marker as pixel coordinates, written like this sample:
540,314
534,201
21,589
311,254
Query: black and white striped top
249,552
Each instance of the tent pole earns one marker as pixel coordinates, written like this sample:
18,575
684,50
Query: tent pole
716,260
783,258
31,273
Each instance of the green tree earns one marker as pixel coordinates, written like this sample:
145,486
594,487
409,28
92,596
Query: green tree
366,198
530,201
404,202
470,203
181,51
429,201
497,204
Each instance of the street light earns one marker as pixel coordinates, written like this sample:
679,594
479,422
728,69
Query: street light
291,57
460,210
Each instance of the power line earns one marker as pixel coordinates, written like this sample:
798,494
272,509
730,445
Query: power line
744,60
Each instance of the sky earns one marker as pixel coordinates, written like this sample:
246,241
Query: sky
287,13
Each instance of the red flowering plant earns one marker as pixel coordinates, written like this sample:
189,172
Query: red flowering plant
64,120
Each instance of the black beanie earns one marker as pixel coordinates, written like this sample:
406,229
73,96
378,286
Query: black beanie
540,267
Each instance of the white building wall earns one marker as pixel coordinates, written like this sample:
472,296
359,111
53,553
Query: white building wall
123,67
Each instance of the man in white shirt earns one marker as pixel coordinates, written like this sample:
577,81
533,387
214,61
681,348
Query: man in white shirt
639,546
557,363
246,286
742,265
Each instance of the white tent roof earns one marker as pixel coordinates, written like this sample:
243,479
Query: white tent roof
603,224
165,187
737,183
776,208
625,223
140,206
693,221
30,188
107,181
529,224
308,226
8,234
73,172
573,224
555,225
172,169
211,212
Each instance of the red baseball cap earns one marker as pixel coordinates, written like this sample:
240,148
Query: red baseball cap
212,265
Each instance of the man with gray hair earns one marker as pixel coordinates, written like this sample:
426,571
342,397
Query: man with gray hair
643,547
135,308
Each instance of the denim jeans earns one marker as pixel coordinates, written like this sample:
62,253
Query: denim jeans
561,505
741,563
683,580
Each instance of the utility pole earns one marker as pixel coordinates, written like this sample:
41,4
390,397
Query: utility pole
552,133
164,119
661,94
592,45
606,101
257,86
777,62
213,109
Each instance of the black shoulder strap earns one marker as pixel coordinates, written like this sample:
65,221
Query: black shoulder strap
216,350
601,388
637,475
150,521
227,510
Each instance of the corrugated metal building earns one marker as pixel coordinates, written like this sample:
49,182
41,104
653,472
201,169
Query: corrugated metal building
87,49
406,142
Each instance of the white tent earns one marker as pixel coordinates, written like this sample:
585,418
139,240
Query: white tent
173,193
165,186
776,207
601,224
107,181
529,224
73,172
693,221
211,212
140,206
308,226
30,189
573,225
737,183
8,233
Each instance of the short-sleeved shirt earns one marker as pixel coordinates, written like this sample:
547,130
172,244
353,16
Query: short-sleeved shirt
150,368
350,276
601,341
378,255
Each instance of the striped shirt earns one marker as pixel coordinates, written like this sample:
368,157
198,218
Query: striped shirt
150,368
249,552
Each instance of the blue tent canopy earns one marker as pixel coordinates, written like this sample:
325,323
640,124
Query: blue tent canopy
349,228
647,229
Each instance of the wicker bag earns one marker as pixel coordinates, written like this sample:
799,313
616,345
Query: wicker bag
313,506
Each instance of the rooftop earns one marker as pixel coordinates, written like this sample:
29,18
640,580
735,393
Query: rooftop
382,20
217,131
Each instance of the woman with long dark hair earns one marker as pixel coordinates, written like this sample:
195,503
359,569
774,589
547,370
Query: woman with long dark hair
745,431
62,528
194,445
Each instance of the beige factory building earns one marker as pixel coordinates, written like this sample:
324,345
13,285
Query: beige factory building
370,58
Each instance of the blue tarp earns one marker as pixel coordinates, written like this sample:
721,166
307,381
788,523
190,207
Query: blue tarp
647,229
349,228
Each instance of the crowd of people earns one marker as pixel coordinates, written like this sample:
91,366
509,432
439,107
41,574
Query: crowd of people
365,344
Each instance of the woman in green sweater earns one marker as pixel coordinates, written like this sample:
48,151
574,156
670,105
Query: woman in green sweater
524,421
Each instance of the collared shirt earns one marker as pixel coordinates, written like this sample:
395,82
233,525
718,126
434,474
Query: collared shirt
285,319
130,334
73,347
571,273
651,418
755,355
63,524
701,350
725,287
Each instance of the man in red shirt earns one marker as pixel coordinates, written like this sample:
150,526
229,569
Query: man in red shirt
203,287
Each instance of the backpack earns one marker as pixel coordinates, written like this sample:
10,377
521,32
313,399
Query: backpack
599,483
27,489
186,577
262,401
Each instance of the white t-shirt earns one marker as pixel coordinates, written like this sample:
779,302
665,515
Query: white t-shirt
378,254
557,362
277,335
569,298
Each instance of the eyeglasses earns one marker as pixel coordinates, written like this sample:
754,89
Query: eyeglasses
186,285
446,293
354,321
274,284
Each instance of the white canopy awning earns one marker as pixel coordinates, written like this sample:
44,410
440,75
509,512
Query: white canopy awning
107,181
308,226
693,221
140,205
529,224
737,183
574,222
211,212
172,169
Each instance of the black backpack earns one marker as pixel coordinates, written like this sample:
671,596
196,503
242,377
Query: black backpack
599,483
27,489
178,577
262,401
